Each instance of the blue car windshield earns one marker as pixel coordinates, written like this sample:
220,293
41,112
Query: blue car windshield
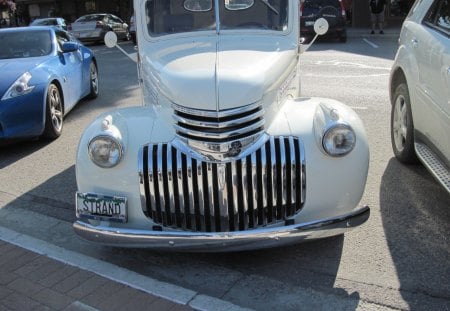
176,16
24,44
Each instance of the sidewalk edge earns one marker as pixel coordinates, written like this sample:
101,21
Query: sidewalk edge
118,274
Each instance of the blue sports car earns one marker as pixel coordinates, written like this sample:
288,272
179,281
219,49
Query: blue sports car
44,72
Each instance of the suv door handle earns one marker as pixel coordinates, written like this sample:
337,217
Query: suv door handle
414,42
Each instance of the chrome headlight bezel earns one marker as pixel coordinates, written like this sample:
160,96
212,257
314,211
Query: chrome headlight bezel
20,87
338,140
113,154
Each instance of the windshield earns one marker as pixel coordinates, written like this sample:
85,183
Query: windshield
175,16
90,18
23,44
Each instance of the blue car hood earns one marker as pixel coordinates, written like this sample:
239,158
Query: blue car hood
11,70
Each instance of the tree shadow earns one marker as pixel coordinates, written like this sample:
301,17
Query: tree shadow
416,216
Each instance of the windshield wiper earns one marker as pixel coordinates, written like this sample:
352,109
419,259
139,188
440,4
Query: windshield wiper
266,2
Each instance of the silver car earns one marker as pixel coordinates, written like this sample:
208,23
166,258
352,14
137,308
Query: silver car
93,27
420,89
50,21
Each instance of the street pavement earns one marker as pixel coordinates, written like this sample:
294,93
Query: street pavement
36,276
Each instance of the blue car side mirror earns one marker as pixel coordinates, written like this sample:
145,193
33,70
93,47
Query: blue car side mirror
70,47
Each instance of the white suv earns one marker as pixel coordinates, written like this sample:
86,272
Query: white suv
420,89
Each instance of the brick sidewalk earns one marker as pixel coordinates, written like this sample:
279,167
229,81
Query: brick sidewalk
29,281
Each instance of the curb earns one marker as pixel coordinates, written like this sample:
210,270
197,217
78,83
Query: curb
118,274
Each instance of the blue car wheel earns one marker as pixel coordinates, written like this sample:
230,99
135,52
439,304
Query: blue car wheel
54,113
93,77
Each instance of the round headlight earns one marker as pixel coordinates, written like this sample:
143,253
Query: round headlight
339,140
105,151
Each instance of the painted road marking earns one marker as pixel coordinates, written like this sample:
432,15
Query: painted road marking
370,43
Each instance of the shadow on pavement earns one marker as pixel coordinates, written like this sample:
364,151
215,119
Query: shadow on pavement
416,219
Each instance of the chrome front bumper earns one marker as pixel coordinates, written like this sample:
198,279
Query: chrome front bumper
223,241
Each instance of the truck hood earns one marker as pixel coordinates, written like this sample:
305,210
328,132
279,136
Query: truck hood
216,73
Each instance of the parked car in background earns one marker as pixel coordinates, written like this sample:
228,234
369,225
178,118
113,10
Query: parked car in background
44,72
332,10
50,21
224,155
133,29
420,89
93,27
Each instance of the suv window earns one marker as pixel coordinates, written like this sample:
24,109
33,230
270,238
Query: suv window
438,16
318,4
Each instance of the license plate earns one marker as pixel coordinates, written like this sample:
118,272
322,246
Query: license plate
309,23
101,207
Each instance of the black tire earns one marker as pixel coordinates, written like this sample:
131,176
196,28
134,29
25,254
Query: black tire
54,113
402,126
93,81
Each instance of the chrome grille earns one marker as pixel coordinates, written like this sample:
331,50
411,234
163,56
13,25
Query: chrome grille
264,187
220,135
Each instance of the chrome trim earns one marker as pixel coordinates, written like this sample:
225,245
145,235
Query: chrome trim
206,192
216,114
222,124
182,131
227,241
219,135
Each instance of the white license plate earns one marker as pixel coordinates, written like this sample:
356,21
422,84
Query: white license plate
101,207
309,23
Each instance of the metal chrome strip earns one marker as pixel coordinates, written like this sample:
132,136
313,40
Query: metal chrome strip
282,180
219,135
253,191
160,199
219,124
168,185
152,178
292,171
207,195
197,195
216,114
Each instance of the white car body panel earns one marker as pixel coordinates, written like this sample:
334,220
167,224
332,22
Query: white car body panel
424,58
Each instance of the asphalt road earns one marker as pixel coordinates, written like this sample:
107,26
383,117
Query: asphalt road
399,259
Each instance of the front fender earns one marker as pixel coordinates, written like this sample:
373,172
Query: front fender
136,126
334,185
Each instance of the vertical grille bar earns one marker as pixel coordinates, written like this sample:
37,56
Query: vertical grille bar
158,214
207,194
288,170
241,202
165,177
146,182
248,191
175,158
261,177
254,190
179,186
293,172
217,203
186,195
223,190
270,156
230,199
298,173
197,194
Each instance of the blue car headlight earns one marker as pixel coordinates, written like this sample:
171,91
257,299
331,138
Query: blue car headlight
19,87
